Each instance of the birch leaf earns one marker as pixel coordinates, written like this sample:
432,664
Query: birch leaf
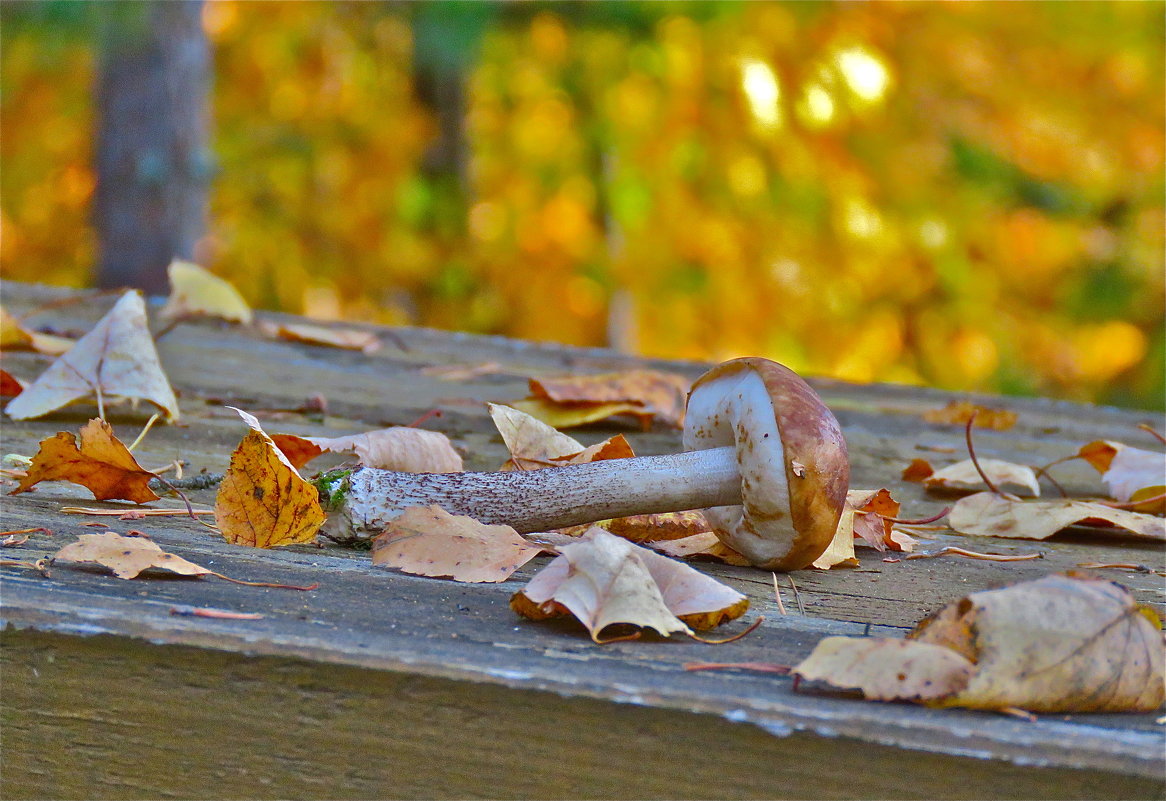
887,670
989,515
325,336
409,450
429,541
263,501
14,336
127,557
116,360
964,476
101,463
1129,473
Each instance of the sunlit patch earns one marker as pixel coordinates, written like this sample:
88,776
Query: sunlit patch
816,108
976,354
747,176
862,220
933,233
487,221
763,92
864,73
1107,349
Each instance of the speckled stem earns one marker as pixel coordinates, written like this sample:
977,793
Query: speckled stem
360,504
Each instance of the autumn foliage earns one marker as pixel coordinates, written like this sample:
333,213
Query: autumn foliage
965,195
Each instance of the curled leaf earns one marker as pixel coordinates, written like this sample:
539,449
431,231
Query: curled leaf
989,515
575,400
964,476
409,450
1129,473
197,292
309,334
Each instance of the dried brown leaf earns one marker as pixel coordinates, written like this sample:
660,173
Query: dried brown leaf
989,515
101,463
126,556
963,476
309,334
409,450
887,670
959,412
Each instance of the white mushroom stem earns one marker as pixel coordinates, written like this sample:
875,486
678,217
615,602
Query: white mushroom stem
362,502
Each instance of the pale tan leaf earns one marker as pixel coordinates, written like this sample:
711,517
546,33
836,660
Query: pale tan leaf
429,541
409,450
705,545
964,476
531,442
657,394
1129,473
603,580
116,360
887,670
1068,642
309,334
14,336
197,292
101,463
959,412
263,501
569,415
989,515
126,556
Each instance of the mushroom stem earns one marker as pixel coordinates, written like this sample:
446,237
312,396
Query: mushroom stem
362,502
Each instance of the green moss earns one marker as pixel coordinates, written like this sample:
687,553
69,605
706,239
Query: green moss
333,487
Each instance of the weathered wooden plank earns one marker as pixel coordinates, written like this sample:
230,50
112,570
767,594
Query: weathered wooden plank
392,628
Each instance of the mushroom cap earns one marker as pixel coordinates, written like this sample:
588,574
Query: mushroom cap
791,454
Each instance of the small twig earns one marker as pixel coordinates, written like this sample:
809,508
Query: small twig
264,583
100,401
132,513
797,595
1132,504
777,594
41,565
219,614
424,417
988,557
1017,712
1121,566
922,522
972,453
635,635
145,429
1149,428
185,500
734,638
761,667
198,482
1044,471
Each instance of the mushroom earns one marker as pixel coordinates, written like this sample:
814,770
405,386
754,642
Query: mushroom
764,457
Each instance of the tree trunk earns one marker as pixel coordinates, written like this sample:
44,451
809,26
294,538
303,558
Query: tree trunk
153,165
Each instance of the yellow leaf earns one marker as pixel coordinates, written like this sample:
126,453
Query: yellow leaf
569,415
263,500
102,464
343,338
196,292
959,412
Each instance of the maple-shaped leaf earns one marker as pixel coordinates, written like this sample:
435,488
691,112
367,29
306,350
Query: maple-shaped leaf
964,476
14,336
409,450
603,580
577,400
1130,474
115,362
101,463
959,412
429,541
197,292
1063,643
309,334
126,556
263,501
989,515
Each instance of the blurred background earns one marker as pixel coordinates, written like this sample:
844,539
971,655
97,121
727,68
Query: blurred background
965,195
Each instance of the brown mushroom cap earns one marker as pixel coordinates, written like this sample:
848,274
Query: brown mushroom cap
791,454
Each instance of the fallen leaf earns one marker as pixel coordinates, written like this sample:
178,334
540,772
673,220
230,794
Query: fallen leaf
959,412
887,670
10,385
344,338
14,336
263,501
659,526
409,450
462,372
116,361
706,545
1068,642
197,292
864,517
964,476
102,464
603,580
575,400
989,515
1064,643
429,541
126,556
918,470
531,442
1130,474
